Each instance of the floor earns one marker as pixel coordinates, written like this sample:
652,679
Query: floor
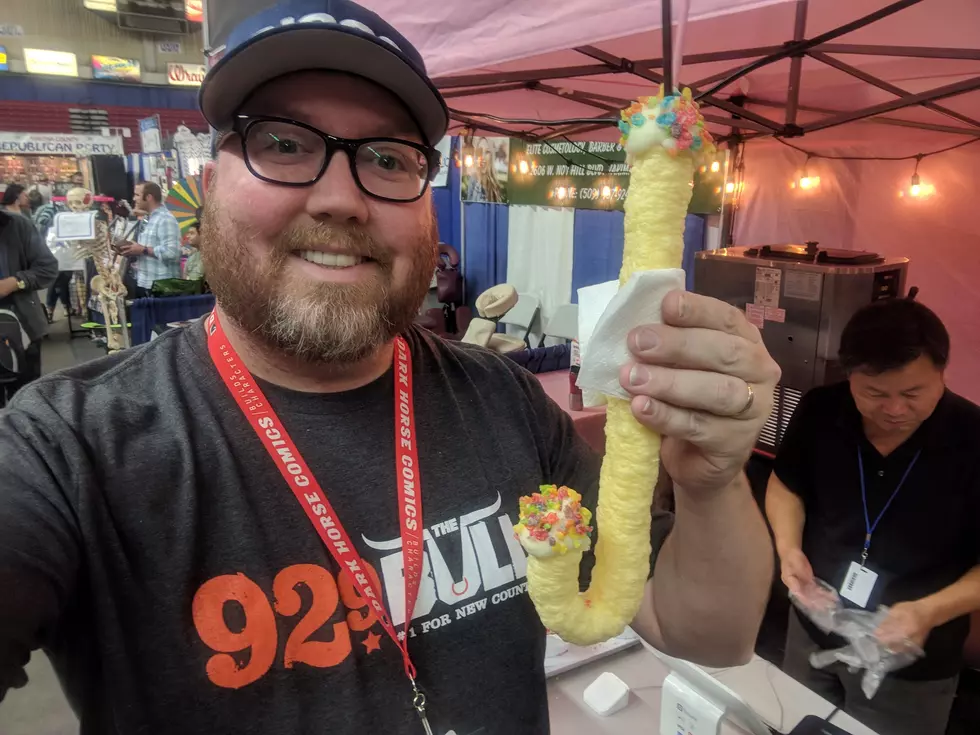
40,707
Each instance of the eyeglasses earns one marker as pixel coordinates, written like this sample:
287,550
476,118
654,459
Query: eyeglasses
291,153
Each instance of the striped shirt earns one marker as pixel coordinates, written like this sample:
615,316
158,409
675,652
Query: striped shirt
162,233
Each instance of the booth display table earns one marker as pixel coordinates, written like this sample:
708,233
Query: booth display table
590,423
776,698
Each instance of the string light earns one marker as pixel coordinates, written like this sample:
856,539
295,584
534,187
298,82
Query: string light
715,167
730,187
606,192
916,186
523,167
562,192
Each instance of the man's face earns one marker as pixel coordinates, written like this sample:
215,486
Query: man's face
23,201
193,236
77,179
260,240
898,401
138,197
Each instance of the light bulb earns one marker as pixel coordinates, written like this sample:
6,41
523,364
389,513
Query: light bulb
468,161
606,192
562,192
729,187
715,167
805,182
915,190
523,167
704,169
717,190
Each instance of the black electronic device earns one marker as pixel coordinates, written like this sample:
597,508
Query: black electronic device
813,725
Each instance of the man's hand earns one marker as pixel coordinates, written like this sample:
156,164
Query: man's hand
906,621
691,382
796,572
129,249
7,287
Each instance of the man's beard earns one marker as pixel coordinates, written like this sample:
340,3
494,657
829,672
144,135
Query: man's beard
317,322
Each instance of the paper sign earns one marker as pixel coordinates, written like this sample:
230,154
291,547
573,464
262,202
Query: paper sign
802,285
767,281
74,226
756,314
775,315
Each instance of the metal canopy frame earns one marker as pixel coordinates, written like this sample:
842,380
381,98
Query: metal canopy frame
741,119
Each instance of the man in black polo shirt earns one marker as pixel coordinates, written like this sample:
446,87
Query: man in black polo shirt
885,467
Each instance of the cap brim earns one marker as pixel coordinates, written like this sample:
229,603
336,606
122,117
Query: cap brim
291,49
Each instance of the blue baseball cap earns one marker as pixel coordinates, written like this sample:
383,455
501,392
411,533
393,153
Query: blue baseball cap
333,35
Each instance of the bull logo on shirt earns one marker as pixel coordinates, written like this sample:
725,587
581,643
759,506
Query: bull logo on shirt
482,569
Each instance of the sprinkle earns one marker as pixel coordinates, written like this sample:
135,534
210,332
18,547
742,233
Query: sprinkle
638,119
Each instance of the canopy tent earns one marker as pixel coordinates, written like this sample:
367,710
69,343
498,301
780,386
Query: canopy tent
910,65
856,77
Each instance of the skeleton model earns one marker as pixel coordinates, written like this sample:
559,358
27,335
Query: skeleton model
107,285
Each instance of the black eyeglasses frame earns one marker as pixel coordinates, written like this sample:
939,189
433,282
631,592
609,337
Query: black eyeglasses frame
244,123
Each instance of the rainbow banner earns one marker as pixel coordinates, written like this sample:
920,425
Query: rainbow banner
112,67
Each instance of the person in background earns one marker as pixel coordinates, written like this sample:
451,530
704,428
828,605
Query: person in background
43,187
876,490
44,218
158,247
26,267
15,200
193,270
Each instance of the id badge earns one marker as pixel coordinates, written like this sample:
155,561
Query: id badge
858,584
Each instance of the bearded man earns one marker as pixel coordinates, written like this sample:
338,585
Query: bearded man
230,529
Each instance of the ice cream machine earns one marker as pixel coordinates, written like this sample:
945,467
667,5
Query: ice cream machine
800,297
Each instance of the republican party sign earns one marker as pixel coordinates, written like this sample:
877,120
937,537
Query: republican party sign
55,144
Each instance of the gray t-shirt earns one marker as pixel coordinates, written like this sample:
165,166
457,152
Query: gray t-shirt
150,545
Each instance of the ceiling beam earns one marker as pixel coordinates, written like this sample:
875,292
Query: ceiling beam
796,63
455,93
917,52
525,75
890,88
949,90
795,48
880,120
567,72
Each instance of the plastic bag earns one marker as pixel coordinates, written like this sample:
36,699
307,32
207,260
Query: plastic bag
822,606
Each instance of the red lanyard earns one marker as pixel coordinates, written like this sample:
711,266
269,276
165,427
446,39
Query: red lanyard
263,419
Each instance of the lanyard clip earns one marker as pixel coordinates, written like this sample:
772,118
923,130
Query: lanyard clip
418,702
418,698
864,552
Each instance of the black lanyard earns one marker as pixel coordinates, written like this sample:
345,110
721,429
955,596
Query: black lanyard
870,527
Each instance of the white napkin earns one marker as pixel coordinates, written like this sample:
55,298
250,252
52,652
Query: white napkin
604,348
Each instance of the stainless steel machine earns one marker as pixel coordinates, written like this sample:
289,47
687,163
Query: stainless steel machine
800,296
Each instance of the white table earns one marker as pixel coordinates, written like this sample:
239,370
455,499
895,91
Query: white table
778,699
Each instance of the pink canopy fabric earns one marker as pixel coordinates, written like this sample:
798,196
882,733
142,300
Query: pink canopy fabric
486,37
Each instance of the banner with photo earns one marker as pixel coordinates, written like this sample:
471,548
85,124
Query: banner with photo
585,175
593,175
485,167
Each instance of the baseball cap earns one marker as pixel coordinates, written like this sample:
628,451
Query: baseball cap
333,35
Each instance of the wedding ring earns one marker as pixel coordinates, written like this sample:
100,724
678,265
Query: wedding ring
748,401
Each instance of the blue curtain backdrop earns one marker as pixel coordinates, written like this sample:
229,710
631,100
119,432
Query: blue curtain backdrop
598,241
598,244
486,248
598,248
